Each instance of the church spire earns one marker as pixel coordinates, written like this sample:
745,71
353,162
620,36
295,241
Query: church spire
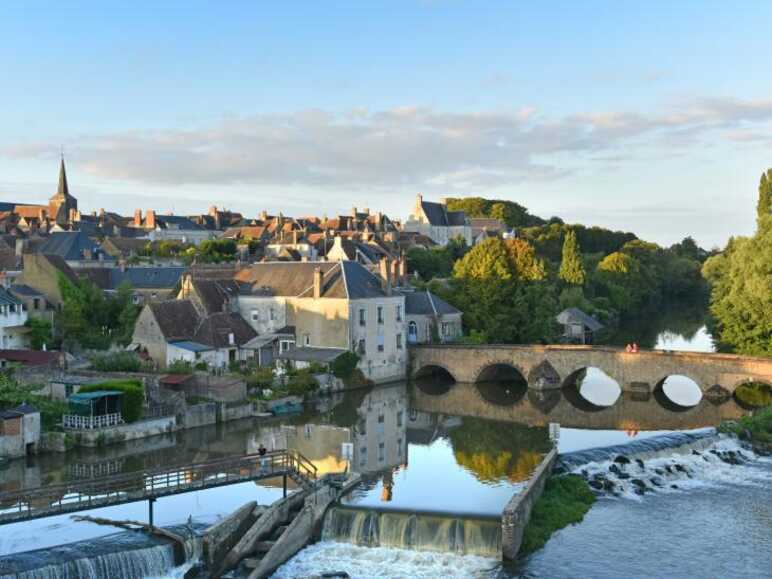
63,190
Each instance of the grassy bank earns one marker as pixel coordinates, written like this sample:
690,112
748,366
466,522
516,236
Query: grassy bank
565,501
756,428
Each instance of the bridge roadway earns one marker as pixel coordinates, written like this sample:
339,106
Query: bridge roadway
50,500
551,367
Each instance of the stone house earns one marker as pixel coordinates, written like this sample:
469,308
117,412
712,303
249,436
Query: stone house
19,431
175,330
42,273
430,318
436,222
329,305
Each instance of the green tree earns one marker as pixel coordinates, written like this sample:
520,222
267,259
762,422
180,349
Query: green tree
40,333
571,266
764,205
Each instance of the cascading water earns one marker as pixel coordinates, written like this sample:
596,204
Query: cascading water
419,532
664,463
121,556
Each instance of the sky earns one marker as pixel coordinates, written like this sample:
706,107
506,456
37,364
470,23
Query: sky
652,117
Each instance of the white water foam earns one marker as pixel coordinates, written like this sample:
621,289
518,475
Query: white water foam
366,562
684,468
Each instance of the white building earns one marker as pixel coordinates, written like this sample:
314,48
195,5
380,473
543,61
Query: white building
13,316
437,223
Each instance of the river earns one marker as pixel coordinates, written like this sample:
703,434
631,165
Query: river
456,464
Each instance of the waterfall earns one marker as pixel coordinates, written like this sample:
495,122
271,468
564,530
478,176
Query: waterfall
419,532
128,555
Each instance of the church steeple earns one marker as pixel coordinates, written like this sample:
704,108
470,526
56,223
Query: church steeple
63,190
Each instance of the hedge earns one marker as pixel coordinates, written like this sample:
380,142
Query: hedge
133,396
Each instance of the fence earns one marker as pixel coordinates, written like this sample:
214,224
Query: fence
75,422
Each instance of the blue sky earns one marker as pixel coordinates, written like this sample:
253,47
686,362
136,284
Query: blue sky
653,117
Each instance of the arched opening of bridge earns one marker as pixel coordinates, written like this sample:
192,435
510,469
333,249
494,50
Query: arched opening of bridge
501,384
434,380
677,393
591,389
753,394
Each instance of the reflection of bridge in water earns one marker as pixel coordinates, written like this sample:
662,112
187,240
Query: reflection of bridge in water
551,367
539,408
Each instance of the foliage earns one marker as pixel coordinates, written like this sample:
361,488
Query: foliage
133,396
565,501
571,266
302,383
757,428
741,287
120,361
344,365
548,240
40,333
436,262
764,205
511,213
500,286
93,320
262,377
12,394
757,394
179,366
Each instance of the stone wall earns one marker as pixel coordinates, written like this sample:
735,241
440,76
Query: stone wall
517,513
199,415
124,432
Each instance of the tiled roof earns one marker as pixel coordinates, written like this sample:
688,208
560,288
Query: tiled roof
177,319
214,330
177,222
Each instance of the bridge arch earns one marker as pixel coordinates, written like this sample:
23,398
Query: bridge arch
501,384
591,389
677,392
434,379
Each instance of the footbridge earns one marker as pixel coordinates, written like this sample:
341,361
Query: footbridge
552,367
149,485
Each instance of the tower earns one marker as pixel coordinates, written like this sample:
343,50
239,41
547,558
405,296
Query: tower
62,204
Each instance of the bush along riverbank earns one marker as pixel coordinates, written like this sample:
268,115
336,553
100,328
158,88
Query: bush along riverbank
756,429
565,501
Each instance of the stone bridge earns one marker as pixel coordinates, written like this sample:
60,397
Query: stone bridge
552,367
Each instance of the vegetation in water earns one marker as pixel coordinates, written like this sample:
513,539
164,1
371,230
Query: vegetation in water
756,394
754,428
565,501
741,285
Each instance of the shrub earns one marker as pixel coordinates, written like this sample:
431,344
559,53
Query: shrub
345,364
756,428
756,394
116,362
302,383
180,367
260,378
133,396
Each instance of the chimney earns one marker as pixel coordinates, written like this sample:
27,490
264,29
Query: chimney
366,211
395,272
317,282
403,269
353,212
150,219
138,218
294,237
263,215
385,276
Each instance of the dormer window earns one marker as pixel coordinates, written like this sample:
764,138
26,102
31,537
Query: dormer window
231,339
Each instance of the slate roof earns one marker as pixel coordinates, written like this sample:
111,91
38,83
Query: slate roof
438,214
345,279
191,346
177,222
310,354
425,303
69,245
215,329
214,293
577,316
7,298
147,277
177,319
21,289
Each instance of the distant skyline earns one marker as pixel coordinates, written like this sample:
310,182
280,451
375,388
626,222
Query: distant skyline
648,117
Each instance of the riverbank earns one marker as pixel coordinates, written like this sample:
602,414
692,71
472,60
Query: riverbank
755,429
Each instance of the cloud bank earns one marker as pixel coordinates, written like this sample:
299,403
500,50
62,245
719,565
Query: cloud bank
408,146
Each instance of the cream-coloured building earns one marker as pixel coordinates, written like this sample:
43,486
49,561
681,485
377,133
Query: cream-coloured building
437,223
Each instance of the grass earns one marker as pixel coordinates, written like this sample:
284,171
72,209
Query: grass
756,428
565,501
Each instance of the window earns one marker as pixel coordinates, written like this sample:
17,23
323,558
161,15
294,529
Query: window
399,447
231,339
36,303
399,418
255,316
399,341
362,347
68,388
380,344
381,418
381,451
445,329
362,427
362,317
363,456
399,313
306,339
380,314
271,315
13,308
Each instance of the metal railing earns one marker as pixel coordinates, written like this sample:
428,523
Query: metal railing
76,422
151,484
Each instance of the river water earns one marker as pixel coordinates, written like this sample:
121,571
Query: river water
439,465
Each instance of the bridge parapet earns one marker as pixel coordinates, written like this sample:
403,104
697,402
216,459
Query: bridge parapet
546,367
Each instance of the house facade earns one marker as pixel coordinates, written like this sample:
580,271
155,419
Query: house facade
431,319
436,222
13,316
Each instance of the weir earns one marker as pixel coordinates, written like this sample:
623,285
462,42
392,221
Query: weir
412,530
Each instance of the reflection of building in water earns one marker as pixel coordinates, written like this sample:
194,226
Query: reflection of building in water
380,439
425,427
319,443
